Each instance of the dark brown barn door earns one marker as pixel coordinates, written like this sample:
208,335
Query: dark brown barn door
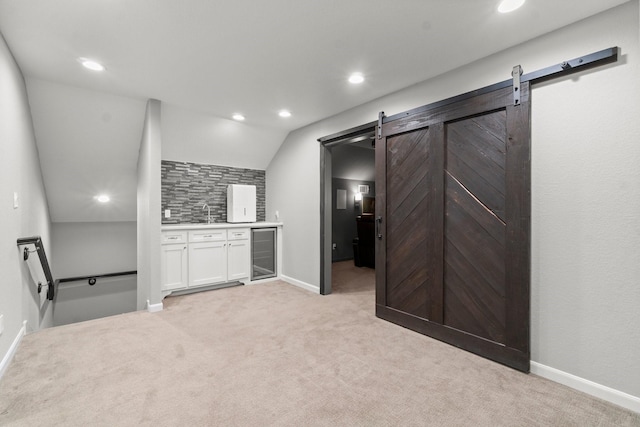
453,211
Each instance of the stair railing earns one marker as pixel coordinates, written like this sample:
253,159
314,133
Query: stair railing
36,241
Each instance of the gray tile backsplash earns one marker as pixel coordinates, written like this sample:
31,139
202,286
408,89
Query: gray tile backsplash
186,187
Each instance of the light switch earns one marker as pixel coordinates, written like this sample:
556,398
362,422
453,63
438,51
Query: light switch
167,213
15,200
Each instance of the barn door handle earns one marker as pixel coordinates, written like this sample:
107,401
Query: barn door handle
378,222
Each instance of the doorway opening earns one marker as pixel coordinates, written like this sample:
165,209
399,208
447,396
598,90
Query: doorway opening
347,200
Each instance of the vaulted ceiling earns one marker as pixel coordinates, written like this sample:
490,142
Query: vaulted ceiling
206,60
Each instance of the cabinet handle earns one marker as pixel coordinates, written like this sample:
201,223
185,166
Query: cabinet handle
208,235
184,249
172,237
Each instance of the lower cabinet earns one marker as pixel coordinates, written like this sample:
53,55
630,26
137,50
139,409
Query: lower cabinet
174,266
207,263
204,257
238,260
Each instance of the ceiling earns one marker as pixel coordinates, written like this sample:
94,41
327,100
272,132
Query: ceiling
206,60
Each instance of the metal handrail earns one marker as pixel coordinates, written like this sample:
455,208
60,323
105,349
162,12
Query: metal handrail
93,278
37,242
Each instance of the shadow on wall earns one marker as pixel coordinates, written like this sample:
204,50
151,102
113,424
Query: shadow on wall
78,301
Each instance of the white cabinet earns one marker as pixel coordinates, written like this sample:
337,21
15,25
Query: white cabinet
238,260
174,267
173,261
238,251
241,203
207,263
203,257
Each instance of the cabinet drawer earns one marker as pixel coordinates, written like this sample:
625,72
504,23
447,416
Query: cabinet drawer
238,234
207,235
169,237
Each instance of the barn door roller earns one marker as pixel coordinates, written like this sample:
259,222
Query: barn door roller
516,73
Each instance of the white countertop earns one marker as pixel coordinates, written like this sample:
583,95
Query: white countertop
201,226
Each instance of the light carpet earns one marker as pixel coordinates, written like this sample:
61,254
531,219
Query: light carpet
275,355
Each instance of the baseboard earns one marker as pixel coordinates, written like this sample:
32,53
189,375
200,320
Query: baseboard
300,284
261,281
594,389
12,350
154,308
206,288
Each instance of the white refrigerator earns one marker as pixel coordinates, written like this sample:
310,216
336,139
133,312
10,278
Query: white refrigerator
241,203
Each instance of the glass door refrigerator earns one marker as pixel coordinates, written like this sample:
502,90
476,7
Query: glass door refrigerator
263,253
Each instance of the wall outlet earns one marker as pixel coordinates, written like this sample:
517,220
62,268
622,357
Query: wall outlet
167,213
334,246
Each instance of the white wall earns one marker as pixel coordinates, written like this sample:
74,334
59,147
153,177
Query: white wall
585,193
149,196
93,248
88,143
190,136
87,248
19,172
78,301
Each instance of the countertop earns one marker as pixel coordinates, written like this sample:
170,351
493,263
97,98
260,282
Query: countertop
201,226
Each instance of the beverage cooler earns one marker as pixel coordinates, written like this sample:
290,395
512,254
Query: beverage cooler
263,253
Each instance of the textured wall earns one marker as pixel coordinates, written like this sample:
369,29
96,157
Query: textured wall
186,187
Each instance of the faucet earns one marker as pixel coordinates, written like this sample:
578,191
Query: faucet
208,213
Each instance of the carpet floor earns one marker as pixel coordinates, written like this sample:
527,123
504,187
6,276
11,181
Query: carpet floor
275,355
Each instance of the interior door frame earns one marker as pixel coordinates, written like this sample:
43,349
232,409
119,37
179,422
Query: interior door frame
326,144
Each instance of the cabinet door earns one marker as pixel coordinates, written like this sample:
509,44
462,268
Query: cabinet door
174,267
207,263
238,264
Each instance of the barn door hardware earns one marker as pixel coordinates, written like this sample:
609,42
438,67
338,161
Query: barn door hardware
516,73
380,117
595,59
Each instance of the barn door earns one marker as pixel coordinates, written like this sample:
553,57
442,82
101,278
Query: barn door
453,219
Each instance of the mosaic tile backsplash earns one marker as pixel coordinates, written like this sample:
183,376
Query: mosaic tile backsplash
186,187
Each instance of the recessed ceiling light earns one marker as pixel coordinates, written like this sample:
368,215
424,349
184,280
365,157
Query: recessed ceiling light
356,78
510,5
238,117
91,65
102,198
284,113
